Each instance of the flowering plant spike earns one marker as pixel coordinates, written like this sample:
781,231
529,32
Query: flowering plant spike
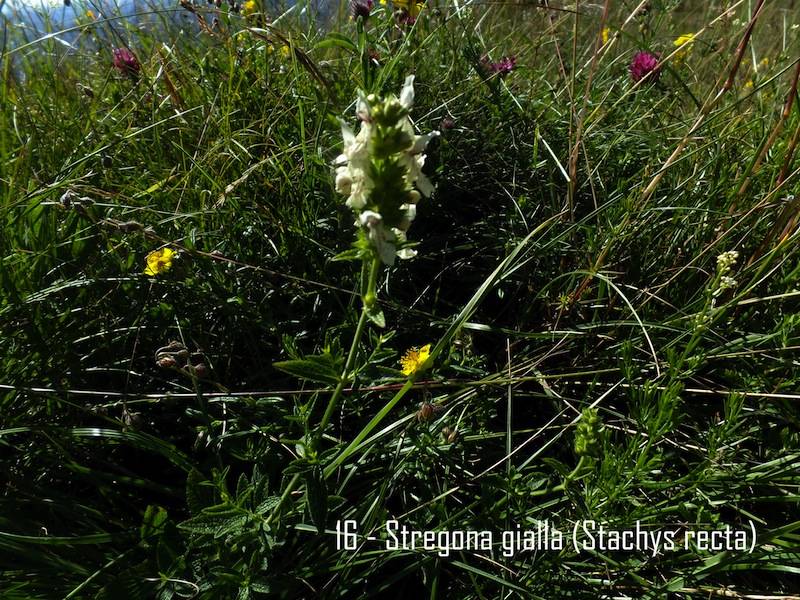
380,172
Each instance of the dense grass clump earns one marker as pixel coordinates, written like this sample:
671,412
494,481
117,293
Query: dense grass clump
606,275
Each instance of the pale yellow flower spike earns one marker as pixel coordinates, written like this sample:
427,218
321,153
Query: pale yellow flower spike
158,261
415,359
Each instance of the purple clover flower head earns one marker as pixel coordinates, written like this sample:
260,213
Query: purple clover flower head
506,65
502,67
361,8
645,64
126,62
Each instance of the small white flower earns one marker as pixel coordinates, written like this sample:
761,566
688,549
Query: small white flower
409,214
424,184
369,218
381,239
347,135
407,93
421,141
352,165
359,190
344,183
405,253
413,164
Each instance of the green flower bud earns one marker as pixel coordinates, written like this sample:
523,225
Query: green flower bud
587,434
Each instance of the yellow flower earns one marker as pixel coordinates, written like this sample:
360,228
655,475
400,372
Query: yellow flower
684,40
604,35
415,359
285,50
159,261
249,7
748,84
411,7
765,61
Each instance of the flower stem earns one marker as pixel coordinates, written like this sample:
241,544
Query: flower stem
371,285
368,299
282,500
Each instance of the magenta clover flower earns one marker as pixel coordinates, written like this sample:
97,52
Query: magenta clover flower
645,64
502,67
361,8
126,62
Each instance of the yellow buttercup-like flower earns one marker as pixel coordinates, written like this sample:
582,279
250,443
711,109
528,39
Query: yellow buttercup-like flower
684,42
249,7
415,359
159,261
604,35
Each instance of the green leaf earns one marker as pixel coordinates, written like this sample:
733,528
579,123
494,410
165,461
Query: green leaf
153,522
323,368
244,593
375,314
261,587
243,489
317,498
217,521
267,505
352,254
337,40
199,492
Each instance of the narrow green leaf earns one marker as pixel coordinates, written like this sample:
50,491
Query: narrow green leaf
323,368
317,498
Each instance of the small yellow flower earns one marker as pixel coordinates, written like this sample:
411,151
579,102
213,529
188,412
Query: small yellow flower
158,261
285,50
604,35
684,42
411,7
415,359
765,62
249,7
748,84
